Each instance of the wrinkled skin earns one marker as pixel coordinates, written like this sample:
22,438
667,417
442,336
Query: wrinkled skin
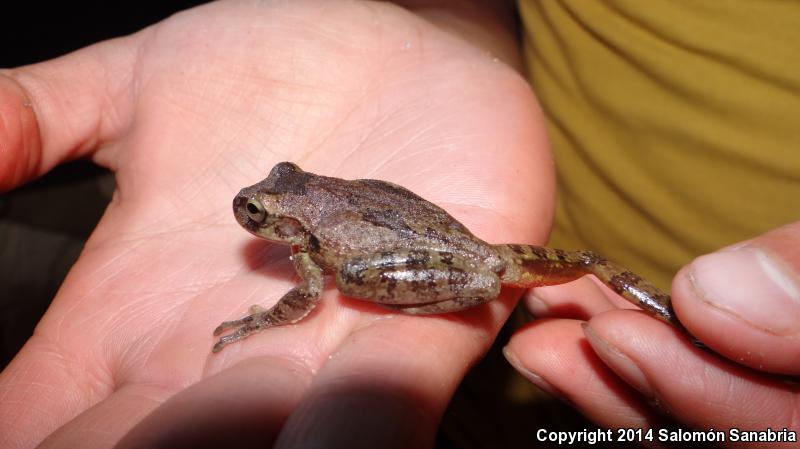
189,110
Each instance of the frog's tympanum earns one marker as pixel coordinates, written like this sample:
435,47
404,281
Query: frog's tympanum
387,245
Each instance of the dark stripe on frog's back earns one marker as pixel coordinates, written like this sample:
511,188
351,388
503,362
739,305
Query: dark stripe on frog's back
394,220
387,218
382,199
378,192
423,221
385,205
390,206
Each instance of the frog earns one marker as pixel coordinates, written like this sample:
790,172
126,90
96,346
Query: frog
385,244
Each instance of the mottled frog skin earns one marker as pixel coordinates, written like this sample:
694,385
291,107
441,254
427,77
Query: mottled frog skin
385,244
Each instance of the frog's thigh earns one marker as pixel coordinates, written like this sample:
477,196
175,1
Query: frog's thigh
449,305
411,277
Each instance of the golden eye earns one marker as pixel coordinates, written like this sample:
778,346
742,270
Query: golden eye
256,212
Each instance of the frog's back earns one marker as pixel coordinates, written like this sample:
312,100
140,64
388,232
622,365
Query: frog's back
388,207
367,215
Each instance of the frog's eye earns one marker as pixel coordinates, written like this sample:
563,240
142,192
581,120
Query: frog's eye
256,212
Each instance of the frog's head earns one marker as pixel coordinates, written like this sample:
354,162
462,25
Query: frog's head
259,210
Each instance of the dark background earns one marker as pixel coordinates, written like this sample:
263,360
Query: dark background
43,226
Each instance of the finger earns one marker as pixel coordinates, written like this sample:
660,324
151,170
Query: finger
242,406
64,108
390,381
704,390
554,355
750,291
52,112
19,135
45,386
104,423
580,299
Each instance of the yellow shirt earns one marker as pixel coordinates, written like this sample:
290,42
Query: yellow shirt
675,124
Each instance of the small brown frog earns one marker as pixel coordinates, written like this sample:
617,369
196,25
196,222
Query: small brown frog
387,245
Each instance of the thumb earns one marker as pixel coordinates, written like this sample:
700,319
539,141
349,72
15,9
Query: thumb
744,301
64,109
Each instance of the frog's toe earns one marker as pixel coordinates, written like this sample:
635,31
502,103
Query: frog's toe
225,325
222,328
256,309
224,341
242,331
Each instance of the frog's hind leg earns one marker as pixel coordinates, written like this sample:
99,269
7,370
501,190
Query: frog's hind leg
292,307
416,279
631,286
534,266
449,305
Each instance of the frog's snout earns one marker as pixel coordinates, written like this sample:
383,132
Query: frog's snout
240,210
238,206
238,202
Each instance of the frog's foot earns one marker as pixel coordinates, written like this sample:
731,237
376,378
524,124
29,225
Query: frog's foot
243,331
255,309
293,306
450,305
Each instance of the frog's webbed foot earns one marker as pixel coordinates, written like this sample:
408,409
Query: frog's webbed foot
415,280
292,307
254,310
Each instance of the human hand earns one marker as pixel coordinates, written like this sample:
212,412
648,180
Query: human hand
185,113
743,302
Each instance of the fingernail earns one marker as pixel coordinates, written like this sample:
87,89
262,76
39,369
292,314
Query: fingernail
751,285
530,375
618,361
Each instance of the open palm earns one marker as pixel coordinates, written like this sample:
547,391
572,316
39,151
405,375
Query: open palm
187,112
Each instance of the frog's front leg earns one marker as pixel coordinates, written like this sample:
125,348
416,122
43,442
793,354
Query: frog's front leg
293,306
418,281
